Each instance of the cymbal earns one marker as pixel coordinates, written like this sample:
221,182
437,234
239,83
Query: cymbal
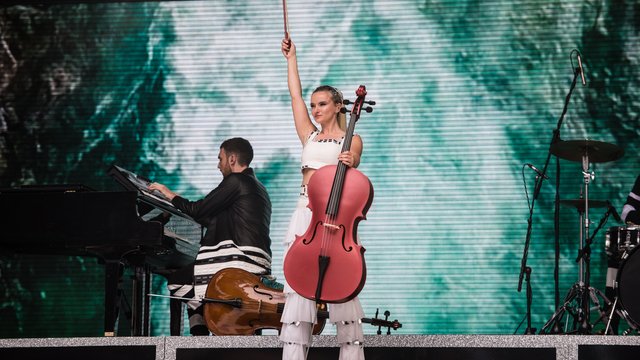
579,203
597,151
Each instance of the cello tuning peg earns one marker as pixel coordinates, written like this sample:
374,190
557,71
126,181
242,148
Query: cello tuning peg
349,102
368,109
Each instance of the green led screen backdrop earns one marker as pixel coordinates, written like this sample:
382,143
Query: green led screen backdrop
467,93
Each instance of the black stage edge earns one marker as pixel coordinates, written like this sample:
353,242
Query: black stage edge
105,348
377,347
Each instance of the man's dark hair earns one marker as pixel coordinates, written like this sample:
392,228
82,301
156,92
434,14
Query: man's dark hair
241,147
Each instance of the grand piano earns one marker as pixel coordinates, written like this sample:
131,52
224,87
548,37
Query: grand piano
133,227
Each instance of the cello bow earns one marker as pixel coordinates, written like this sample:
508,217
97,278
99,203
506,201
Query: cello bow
286,19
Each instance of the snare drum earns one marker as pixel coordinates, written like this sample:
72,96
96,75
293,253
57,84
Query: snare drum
621,239
628,285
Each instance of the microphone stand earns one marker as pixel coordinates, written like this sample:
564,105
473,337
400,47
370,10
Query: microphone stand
529,330
524,269
523,266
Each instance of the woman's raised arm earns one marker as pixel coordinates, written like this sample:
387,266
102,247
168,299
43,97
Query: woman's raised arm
301,118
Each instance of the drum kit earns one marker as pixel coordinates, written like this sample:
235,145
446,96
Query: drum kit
620,245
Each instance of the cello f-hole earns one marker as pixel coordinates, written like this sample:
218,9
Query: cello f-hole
344,242
315,230
256,288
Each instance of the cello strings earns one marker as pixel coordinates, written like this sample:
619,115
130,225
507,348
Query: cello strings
330,228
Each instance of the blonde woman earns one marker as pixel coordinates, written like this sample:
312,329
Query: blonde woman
321,145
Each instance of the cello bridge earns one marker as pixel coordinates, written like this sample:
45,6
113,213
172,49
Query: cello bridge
331,226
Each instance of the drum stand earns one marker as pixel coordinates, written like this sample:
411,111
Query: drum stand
615,309
578,299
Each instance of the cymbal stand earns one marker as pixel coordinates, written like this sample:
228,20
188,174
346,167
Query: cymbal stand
581,292
585,255
585,250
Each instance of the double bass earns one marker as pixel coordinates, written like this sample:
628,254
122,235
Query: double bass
238,302
326,263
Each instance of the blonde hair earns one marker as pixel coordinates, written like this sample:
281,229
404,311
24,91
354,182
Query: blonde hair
336,96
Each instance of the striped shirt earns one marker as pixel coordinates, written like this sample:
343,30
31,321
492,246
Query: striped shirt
630,212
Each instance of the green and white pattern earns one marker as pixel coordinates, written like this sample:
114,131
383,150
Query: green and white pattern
467,92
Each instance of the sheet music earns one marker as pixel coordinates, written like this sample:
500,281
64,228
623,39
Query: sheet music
172,234
160,198
142,185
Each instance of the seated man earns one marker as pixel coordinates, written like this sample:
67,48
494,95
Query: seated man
237,215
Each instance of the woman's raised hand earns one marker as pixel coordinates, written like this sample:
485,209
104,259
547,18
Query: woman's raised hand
288,48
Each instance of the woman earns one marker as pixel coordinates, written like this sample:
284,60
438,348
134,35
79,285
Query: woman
321,146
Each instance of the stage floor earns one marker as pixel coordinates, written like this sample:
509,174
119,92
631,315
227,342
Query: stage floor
458,347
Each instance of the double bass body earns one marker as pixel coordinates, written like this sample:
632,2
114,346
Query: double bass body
238,303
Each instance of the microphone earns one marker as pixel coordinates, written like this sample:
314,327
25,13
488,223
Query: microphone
584,82
613,211
537,171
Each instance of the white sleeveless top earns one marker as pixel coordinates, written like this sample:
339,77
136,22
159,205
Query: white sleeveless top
318,153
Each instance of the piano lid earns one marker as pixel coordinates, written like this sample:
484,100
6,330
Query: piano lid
48,188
